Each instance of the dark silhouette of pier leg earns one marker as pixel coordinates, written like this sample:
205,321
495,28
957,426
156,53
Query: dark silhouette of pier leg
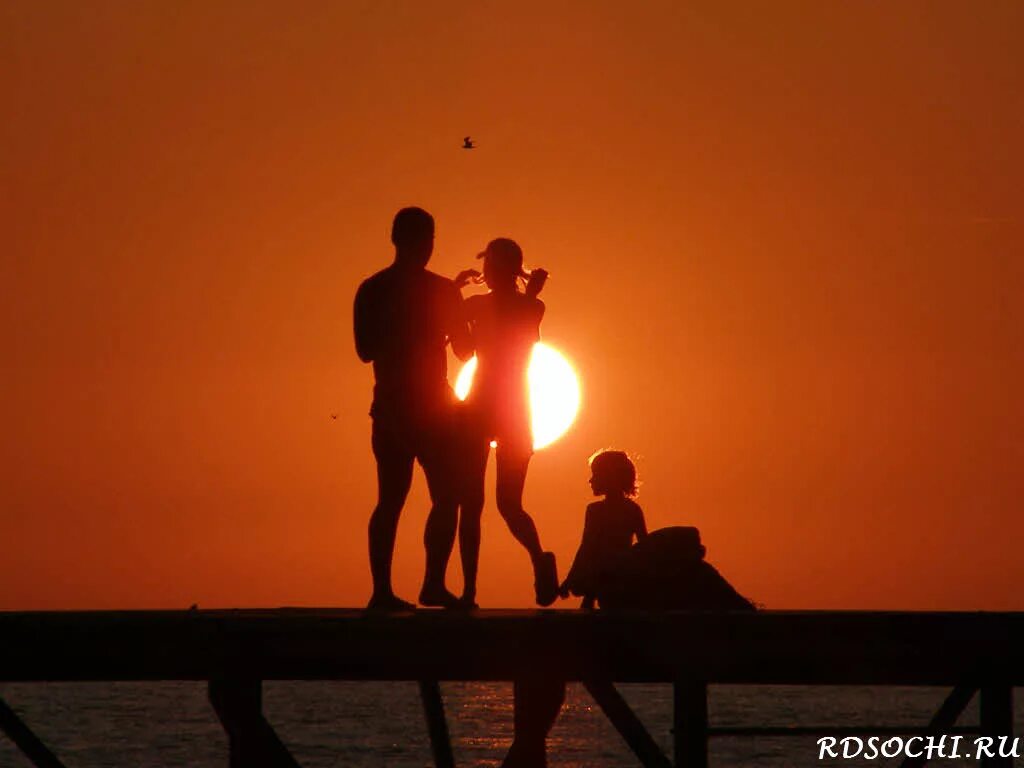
25,740
945,718
627,724
690,723
996,714
437,726
537,704
252,741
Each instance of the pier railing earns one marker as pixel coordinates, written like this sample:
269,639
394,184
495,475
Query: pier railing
235,650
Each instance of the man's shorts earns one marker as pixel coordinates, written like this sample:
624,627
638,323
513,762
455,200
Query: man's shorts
434,447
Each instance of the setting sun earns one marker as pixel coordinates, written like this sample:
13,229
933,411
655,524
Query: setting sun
554,393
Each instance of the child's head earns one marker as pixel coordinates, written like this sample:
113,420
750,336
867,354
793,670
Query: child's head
612,472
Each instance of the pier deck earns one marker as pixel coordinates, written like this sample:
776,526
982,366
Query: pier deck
236,649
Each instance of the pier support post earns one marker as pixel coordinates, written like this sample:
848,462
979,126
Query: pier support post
629,726
252,742
690,720
943,720
29,744
996,717
437,726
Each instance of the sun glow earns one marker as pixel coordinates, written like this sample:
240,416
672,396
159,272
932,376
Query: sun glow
554,393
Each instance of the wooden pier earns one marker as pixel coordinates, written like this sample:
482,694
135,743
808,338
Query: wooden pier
235,650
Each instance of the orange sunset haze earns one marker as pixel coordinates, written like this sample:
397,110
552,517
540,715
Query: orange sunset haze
786,246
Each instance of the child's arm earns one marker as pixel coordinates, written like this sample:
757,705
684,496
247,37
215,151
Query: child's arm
640,530
578,562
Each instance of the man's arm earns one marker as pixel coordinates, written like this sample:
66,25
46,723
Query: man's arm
458,332
362,323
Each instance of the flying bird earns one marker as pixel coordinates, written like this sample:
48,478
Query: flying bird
334,415
467,143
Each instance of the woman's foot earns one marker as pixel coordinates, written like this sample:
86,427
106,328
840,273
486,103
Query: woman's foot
436,596
389,603
545,579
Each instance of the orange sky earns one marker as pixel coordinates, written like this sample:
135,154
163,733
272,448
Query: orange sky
785,243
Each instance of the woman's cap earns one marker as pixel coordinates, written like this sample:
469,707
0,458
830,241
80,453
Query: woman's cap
506,255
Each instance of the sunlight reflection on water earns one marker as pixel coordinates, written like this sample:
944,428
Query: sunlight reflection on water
368,725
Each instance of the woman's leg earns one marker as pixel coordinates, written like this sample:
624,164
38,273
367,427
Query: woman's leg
471,509
512,468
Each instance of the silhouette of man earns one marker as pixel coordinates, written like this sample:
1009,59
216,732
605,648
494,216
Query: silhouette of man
405,316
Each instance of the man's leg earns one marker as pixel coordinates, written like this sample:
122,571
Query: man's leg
394,476
439,458
471,499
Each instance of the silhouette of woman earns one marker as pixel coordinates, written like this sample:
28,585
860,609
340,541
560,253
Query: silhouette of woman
505,324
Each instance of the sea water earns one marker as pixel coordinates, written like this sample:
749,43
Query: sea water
373,725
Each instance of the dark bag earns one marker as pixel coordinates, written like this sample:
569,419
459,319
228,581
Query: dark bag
667,571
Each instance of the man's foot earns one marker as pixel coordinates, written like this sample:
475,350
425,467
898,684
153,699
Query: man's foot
545,579
468,603
389,604
438,597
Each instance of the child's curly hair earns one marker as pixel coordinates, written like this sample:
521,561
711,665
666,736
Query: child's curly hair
613,471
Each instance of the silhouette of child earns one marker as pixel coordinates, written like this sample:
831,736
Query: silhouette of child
609,527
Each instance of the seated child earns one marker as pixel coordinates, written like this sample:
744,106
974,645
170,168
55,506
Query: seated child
609,527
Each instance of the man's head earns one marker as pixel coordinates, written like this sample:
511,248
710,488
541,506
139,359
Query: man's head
412,232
